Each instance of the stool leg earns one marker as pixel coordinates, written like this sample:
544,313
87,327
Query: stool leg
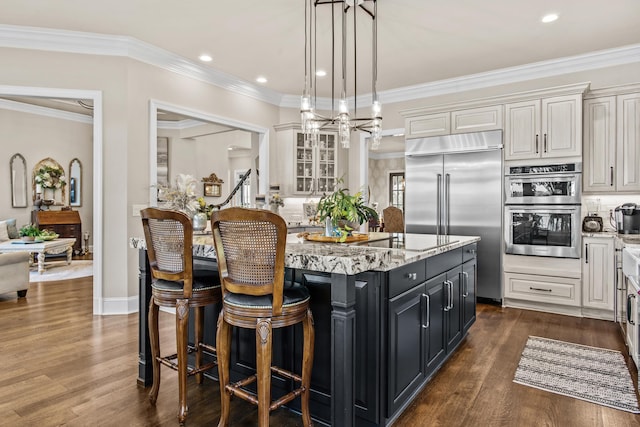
154,341
199,325
307,362
263,368
182,322
223,346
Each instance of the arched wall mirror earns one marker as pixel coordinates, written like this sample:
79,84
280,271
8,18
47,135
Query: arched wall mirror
18,170
75,183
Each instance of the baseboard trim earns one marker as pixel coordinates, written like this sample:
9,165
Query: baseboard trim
115,306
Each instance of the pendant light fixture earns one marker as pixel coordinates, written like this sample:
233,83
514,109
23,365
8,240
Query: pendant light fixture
339,119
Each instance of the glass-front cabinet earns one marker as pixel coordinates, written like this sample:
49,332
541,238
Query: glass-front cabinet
315,167
303,169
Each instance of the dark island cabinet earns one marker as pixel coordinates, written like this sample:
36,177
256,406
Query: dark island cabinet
407,322
426,323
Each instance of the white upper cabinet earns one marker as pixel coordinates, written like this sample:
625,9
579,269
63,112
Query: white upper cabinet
612,143
544,128
599,157
628,152
458,121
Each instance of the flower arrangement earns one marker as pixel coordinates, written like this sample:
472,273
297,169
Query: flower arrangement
276,200
182,197
51,177
204,208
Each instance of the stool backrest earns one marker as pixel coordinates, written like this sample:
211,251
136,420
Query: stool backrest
250,248
393,220
169,237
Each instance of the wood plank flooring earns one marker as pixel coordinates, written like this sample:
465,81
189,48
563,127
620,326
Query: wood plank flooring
63,366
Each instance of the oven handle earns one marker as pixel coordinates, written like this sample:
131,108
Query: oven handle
571,176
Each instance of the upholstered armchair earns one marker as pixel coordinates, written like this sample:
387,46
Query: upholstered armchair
14,273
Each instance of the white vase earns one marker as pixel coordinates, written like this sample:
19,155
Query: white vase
49,194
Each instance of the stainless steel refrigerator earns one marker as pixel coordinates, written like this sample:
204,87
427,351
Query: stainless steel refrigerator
454,186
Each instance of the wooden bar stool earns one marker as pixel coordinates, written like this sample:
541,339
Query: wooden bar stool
169,237
250,248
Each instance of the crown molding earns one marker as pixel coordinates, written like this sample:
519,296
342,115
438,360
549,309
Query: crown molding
45,111
22,37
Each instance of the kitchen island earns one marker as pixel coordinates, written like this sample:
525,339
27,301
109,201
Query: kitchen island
388,313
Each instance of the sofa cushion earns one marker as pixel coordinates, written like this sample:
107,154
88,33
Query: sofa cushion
12,229
4,235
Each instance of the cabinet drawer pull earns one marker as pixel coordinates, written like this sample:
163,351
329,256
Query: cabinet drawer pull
425,298
545,142
540,289
537,151
466,284
611,176
412,276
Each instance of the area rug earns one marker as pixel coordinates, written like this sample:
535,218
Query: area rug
61,271
592,374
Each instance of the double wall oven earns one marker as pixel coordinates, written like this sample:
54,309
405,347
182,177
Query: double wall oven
542,210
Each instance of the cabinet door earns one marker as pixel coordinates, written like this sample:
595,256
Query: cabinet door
599,153
435,304
561,126
477,119
406,363
522,130
304,165
453,315
628,162
469,277
429,125
325,157
598,290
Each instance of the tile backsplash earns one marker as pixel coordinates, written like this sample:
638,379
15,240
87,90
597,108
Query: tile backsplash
607,203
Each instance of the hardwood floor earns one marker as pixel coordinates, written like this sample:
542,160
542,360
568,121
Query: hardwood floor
63,366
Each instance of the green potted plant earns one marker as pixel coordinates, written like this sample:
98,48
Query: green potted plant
344,211
29,232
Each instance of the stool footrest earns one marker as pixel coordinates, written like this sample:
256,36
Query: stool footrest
168,361
238,390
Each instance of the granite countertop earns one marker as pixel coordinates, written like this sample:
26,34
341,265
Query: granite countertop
382,252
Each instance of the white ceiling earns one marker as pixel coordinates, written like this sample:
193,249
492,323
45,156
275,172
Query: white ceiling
420,41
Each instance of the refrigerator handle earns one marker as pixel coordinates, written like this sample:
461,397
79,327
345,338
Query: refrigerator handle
447,181
438,203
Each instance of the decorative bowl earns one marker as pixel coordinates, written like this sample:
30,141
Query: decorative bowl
28,238
48,202
49,236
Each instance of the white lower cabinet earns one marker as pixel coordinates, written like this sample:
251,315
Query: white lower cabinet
598,277
544,289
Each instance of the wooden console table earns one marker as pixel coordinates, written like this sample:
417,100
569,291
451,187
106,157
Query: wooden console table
65,223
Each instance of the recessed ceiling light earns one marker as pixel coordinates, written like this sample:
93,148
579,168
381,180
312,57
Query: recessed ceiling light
549,18
261,79
321,73
205,58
